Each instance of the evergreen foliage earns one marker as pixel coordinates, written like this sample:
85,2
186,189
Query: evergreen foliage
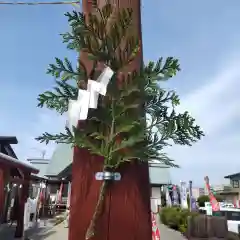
117,130
205,198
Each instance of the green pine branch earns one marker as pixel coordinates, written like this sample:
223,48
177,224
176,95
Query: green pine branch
104,42
59,98
64,70
66,137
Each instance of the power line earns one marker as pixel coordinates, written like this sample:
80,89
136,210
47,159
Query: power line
39,3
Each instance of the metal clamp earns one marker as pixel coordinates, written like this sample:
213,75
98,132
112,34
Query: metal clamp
108,176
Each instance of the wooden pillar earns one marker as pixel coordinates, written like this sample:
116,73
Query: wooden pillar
2,191
7,203
84,195
23,195
4,174
127,212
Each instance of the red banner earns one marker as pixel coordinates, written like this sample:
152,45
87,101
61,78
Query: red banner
155,230
213,200
236,203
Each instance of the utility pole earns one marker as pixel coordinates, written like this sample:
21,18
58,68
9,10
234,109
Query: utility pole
127,211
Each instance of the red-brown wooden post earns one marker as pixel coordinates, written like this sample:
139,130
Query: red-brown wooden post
4,178
24,191
127,205
2,192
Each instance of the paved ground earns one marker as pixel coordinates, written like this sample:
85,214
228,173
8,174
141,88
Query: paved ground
169,234
7,231
58,232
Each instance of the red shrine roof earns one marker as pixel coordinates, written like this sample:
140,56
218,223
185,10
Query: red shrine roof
5,159
9,158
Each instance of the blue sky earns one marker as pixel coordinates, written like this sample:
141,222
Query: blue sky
204,35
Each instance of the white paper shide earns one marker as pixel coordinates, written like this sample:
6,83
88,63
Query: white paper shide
78,109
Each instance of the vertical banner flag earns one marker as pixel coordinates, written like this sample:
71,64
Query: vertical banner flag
183,194
59,200
191,200
175,196
213,200
69,194
193,204
27,211
158,202
168,199
155,230
37,203
236,203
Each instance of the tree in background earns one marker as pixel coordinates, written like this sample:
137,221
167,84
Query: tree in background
202,199
205,198
117,129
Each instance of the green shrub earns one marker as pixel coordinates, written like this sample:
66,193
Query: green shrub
184,213
202,199
163,214
182,228
173,218
176,218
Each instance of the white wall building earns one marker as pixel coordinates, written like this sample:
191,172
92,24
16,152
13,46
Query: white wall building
197,192
159,177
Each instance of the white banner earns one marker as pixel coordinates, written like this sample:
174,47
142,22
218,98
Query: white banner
183,194
27,211
69,195
168,199
175,196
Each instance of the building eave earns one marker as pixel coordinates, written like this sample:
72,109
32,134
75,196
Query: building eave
66,172
36,177
17,163
233,175
9,139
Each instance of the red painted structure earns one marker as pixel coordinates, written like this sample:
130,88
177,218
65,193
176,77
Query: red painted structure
13,170
127,213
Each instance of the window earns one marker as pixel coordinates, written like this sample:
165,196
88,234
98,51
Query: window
235,183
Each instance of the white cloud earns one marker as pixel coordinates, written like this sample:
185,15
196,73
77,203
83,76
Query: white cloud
216,107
